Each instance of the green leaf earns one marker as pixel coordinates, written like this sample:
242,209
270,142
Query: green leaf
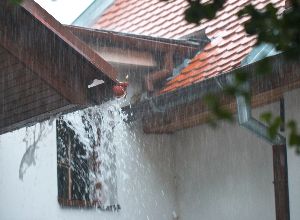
16,2
274,127
266,117
218,111
241,77
294,137
197,11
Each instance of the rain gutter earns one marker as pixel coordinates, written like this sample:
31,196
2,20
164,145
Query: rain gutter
284,74
194,92
152,78
170,100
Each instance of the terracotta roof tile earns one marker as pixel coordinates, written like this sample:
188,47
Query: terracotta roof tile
149,17
229,43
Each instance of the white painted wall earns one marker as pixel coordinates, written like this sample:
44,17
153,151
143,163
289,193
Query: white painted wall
145,180
227,173
220,174
223,174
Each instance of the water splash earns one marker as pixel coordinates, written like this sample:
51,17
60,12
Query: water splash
94,128
33,137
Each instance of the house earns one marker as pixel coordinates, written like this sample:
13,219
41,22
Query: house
166,163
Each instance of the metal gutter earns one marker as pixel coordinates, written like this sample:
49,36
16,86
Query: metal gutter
170,100
195,92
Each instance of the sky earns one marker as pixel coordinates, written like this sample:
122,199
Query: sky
65,11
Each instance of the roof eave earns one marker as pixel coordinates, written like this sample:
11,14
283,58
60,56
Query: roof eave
284,75
57,28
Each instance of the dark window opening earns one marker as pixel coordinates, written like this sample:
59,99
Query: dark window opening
75,164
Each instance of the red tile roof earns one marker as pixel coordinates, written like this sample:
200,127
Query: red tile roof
229,42
147,17
228,47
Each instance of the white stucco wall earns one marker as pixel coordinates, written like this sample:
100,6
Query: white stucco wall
200,173
145,180
227,173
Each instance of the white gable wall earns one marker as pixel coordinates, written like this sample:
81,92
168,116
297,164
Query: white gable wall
145,180
227,173
224,173
220,174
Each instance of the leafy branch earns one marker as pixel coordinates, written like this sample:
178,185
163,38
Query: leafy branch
275,122
280,30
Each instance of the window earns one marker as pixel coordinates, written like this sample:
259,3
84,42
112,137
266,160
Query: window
80,167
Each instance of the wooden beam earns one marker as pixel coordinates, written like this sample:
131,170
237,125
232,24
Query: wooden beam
7,60
142,43
281,182
75,43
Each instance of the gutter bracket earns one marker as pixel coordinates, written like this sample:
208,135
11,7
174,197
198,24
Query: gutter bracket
246,119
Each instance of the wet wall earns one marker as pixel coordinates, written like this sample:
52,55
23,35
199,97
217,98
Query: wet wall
145,176
227,173
197,173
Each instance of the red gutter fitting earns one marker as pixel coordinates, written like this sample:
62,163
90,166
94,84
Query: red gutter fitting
119,90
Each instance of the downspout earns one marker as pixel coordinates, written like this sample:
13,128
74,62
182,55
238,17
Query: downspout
162,74
244,109
199,38
246,119
280,170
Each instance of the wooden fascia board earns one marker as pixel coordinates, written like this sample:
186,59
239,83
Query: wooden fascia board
150,44
40,14
182,118
167,67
